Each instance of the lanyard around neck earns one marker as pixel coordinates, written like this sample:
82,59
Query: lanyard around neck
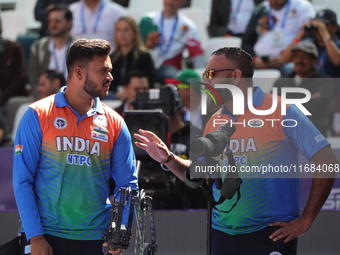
62,67
285,15
167,46
98,16
238,7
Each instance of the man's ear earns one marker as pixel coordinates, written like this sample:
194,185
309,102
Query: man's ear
236,76
79,72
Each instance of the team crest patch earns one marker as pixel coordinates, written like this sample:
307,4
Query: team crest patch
60,123
18,149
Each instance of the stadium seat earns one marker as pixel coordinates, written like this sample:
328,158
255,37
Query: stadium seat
145,6
18,115
26,42
220,42
197,16
13,24
26,8
205,6
265,79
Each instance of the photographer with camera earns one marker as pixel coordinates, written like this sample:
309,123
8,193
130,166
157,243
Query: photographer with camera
323,30
266,218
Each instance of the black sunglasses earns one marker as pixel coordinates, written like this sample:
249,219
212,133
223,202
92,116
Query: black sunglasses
210,73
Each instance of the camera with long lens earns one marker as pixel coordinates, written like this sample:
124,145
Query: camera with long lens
213,144
311,28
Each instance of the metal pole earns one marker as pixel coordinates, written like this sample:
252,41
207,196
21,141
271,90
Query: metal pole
209,217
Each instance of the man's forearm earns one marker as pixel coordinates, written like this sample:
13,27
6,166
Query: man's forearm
178,166
320,190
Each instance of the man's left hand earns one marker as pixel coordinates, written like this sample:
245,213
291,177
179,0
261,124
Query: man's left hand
290,230
111,251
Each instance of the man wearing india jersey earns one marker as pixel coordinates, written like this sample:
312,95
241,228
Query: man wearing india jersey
67,146
266,219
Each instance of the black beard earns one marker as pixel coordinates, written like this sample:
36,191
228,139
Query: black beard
90,88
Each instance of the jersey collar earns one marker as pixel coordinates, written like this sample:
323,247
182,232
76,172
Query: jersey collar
60,101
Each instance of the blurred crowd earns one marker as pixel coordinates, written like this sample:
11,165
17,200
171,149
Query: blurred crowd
165,47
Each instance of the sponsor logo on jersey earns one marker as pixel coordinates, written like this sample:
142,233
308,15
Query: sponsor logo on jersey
99,136
319,138
100,120
60,123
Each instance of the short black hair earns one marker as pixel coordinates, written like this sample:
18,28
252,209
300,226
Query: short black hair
82,51
55,74
131,74
240,58
60,7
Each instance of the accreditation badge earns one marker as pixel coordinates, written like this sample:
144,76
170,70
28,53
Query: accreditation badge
277,39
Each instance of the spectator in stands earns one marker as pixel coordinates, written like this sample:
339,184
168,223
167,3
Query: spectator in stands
167,33
41,10
190,93
95,19
272,27
326,37
13,74
129,53
50,82
230,17
5,137
50,52
305,56
135,81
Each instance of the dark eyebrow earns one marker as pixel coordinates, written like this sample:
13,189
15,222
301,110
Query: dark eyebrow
106,68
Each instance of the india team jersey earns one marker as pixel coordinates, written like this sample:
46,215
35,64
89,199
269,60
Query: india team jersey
62,165
259,142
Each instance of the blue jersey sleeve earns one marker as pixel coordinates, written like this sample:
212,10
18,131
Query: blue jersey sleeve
26,160
124,165
301,132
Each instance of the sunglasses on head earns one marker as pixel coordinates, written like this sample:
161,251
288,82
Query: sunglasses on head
209,74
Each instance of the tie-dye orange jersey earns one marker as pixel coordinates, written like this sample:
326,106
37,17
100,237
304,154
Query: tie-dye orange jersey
261,144
62,165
